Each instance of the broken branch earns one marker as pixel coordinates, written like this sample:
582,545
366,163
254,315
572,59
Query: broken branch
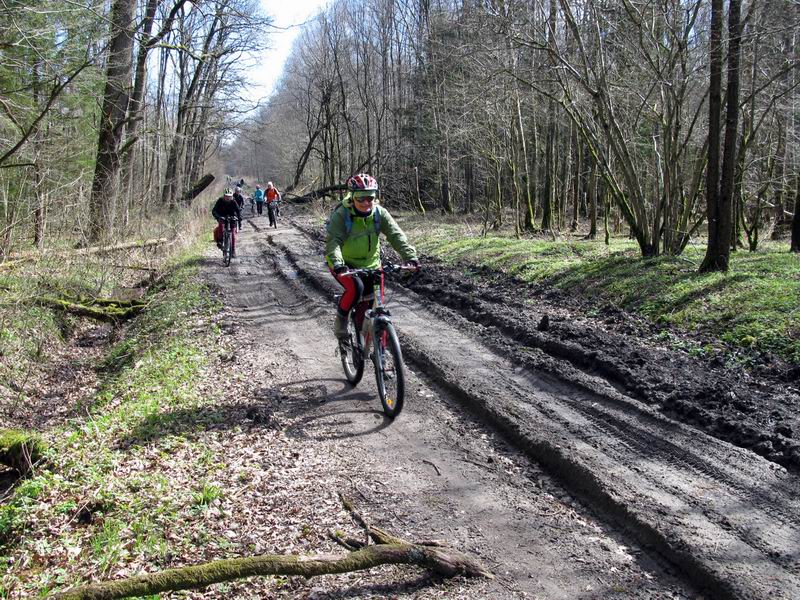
388,550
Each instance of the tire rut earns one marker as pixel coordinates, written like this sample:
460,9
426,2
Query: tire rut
721,513
484,498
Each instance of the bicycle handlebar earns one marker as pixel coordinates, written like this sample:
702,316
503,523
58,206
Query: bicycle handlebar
387,268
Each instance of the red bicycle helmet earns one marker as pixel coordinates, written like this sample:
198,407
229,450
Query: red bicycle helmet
362,183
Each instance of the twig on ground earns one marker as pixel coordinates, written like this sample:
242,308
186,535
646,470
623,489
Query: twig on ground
438,472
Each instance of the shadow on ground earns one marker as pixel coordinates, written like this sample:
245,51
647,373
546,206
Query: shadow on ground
301,408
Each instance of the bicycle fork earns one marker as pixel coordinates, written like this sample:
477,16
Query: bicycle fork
379,318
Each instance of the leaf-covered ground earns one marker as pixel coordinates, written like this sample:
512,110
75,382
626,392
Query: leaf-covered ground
163,455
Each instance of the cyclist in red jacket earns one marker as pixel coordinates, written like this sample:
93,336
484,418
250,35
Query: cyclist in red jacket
273,196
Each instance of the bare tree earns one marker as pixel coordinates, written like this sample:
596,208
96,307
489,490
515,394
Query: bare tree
719,180
112,120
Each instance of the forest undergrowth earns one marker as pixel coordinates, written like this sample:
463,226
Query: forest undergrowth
93,504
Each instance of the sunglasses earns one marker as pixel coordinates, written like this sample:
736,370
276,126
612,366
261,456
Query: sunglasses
364,198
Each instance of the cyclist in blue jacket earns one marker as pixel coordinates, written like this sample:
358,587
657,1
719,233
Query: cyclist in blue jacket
258,196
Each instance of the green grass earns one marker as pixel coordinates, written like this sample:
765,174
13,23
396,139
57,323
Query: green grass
206,495
114,462
755,306
29,332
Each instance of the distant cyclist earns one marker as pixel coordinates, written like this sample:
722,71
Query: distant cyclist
226,207
273,198
354,242
237,195
258,196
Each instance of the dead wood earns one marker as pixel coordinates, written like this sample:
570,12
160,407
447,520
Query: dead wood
20,450
320,193
387,549
101,309
23,257
197,188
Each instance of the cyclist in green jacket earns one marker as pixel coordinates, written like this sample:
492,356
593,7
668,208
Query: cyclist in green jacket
353,241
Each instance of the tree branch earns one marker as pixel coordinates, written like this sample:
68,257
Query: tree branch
388,550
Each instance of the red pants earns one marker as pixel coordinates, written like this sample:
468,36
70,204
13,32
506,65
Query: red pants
218,235
356,288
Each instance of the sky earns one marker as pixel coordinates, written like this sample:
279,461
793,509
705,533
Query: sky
288,15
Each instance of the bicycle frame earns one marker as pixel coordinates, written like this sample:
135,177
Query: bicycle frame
375,316
372,326
228,233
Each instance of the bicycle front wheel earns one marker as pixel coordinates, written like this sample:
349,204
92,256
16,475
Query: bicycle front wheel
389,370
226,248
352,353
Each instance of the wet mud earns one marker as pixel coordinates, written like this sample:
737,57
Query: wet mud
741,406
755,406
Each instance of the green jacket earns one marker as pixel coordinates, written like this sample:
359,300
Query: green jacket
361,248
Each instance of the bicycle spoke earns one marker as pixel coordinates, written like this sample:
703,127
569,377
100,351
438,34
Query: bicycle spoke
389,373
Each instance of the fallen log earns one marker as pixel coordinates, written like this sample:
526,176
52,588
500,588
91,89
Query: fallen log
20,450
387,550
114,248
321,192
197,188
101,309
22,257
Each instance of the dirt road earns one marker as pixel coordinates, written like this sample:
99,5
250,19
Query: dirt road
466,460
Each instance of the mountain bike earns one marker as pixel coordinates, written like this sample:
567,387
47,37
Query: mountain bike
228,239
273,212
370,326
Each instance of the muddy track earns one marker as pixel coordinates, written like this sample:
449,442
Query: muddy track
757,409
433,471
728,518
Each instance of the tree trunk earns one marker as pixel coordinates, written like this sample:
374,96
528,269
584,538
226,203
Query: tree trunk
197,188
593,203
530,224
134,118
469,184
796,218
720,182
576,184
39,214
115,105
549,162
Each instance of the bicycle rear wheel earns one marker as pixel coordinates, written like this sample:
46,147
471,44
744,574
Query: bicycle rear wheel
389,370
352,353
226,248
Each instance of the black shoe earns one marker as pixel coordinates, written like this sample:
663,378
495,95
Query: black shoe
219,245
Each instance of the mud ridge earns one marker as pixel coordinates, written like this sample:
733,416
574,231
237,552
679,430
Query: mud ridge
667,525
747,408
712,405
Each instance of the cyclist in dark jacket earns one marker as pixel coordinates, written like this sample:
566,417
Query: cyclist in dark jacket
224,207
237,195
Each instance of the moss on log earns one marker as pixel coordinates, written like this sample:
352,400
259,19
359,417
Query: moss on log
444,561
101,309
20,450
388,550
